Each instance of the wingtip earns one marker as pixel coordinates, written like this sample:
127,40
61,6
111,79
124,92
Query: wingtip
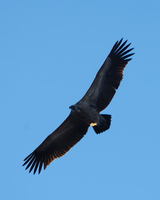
121,40
120,50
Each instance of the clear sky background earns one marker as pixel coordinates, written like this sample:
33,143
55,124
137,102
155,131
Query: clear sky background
50,52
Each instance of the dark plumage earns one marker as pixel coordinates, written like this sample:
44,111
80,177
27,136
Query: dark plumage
85,112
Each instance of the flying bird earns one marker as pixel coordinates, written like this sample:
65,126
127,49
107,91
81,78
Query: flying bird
86,112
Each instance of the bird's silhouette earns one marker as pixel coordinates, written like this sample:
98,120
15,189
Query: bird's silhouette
86,112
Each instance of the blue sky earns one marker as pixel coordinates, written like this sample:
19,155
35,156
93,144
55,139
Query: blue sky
50,52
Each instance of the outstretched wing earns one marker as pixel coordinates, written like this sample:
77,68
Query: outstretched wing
109,76
56,144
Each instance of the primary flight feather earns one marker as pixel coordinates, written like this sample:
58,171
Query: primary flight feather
85,113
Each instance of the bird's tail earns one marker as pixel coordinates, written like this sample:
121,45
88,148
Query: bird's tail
105,122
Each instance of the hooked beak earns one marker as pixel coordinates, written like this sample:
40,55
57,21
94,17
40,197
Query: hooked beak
72,107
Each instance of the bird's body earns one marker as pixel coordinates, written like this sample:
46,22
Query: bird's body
84,113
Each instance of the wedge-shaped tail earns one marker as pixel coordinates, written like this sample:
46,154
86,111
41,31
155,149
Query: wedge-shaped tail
104,124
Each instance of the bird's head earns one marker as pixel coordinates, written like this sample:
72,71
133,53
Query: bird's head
75,108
